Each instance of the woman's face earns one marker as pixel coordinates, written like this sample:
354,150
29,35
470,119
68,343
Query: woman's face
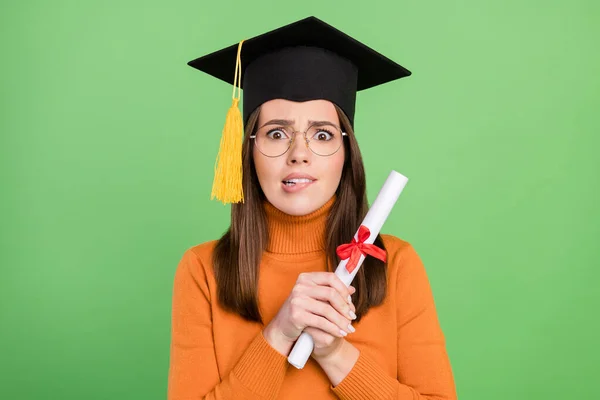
324,172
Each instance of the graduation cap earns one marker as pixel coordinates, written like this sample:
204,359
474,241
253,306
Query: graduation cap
305,60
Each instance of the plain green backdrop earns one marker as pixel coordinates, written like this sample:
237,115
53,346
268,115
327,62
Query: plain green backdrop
108,141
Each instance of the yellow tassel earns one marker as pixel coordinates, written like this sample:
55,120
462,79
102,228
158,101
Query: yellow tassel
227,184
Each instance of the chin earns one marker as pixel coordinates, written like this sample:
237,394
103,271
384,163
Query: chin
298,210
297,204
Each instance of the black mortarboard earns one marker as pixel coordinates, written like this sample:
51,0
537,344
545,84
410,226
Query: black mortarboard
305,60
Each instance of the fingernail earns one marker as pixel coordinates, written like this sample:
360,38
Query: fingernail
343,333
349,299
352,315
351,328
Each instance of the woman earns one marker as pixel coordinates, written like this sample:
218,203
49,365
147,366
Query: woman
240,302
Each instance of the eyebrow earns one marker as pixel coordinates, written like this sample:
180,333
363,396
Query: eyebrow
291,122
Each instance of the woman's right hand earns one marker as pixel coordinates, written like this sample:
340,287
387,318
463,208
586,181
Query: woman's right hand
319,300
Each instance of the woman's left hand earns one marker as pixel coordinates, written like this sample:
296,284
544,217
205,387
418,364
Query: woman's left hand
325,343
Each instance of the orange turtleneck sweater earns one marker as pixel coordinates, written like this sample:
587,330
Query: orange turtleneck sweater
218,355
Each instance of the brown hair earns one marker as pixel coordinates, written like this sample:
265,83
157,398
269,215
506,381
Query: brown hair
237,255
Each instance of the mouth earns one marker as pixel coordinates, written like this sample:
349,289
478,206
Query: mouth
296,184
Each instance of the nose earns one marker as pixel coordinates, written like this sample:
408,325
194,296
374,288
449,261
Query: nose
299,153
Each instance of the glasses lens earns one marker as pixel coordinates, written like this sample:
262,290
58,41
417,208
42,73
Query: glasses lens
273,140
324,140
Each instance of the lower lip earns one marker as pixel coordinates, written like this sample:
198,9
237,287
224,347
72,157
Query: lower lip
297,187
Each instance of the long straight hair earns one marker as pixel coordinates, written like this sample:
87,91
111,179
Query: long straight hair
237,254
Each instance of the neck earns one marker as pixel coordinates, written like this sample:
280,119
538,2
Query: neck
297,234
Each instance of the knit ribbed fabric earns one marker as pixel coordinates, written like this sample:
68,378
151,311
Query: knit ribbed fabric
264,378
293,234
217,355
382,387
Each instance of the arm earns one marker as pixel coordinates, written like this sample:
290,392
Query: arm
424,371
193,370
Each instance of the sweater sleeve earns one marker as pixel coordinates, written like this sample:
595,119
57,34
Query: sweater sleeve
424,370
193,370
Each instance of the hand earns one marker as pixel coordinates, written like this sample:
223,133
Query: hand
318,300
325,343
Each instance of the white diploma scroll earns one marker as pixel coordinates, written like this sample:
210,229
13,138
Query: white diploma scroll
374,220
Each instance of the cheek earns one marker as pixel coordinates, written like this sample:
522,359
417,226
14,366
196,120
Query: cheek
334,167
257,163
266,170
338,165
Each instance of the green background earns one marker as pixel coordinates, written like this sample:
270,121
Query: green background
108,141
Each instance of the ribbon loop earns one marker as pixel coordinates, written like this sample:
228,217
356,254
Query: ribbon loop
356,248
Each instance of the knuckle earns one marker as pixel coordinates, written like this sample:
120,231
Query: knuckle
314,321
344,322
331,293
345,309
296,290
295,314
334,330
325,325
327,311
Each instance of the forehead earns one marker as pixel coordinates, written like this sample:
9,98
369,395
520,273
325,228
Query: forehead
298,111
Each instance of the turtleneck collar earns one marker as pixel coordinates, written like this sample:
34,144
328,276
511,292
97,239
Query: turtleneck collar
297,234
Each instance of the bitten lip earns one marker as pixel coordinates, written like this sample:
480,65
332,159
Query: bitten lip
297,175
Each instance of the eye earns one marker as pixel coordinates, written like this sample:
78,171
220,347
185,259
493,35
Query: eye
323,135
277,134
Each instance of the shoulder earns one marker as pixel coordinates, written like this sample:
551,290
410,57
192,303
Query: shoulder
400,253
203,251
395,246
197,259
407,273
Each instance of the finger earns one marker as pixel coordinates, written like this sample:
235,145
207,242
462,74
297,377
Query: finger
332,296
319,322
311,312
326,278
304,290
324,309
352,291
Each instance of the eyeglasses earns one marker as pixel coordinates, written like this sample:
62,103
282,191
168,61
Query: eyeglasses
323,139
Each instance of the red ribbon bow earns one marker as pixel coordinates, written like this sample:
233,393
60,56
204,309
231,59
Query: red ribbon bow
354,249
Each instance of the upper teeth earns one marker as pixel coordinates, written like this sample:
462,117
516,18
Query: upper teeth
300,180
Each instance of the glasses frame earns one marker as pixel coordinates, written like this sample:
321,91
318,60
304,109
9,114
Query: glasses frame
306,141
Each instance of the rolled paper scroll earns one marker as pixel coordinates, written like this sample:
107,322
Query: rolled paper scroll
361,245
